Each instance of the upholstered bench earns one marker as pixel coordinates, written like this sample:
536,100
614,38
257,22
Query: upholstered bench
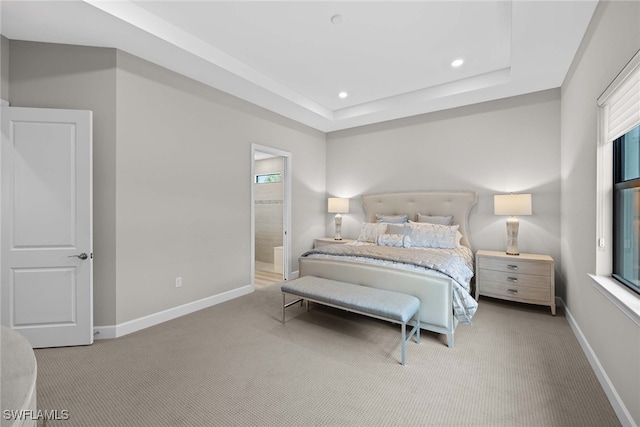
379,303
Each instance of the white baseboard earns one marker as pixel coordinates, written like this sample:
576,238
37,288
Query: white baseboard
115,331
614,398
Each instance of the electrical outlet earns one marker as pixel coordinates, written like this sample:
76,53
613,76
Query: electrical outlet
178,282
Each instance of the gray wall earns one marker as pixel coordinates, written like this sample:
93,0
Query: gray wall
510,145
612,39
74,77
184,182
184,187
269,199
172,165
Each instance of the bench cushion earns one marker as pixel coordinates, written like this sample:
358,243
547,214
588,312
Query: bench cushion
378,302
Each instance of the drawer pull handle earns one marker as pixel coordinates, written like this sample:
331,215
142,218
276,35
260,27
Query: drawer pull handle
513,291
512,267
512,279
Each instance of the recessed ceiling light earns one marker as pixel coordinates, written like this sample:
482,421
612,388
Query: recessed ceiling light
337,19
343,94
458,62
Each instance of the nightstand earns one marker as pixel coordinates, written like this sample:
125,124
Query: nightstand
322,241
527,278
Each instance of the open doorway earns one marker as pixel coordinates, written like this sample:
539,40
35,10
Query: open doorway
270,214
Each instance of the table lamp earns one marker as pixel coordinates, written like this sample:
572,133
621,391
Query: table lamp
338,206
512,205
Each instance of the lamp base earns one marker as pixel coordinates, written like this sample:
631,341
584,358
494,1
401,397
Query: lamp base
338,227
512,236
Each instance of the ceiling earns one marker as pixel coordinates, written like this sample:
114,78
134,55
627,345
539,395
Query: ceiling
393,58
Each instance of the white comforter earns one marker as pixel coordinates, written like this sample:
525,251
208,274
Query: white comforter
454,263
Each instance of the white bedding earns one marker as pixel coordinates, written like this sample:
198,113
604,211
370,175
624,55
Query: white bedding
461,269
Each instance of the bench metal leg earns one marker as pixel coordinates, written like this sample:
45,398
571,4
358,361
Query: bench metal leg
404,342
285,304
415,331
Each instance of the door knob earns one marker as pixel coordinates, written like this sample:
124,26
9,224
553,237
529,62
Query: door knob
81,256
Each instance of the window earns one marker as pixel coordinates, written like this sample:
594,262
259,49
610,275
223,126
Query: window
618,196
626,209
268,178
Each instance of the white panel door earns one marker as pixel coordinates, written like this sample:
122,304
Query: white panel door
47,247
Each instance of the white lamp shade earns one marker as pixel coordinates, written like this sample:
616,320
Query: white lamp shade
338,205
512,204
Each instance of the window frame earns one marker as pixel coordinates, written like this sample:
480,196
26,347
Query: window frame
618,113
627,301
619,184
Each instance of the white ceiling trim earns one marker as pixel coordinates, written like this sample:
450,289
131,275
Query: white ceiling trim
427,94
241,48
146,21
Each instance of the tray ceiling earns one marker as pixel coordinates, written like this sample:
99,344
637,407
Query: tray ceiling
392,58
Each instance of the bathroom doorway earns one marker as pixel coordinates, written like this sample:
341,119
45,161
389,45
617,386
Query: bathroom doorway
270,215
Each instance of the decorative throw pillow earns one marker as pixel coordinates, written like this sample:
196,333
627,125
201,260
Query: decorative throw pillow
425,235
393,219
370,232
436,219
396,240
398,229
458,238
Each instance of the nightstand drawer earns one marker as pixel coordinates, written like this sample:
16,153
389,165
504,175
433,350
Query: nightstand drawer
516,292
514,279
515,266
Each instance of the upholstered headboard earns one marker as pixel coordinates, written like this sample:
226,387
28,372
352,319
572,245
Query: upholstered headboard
456,203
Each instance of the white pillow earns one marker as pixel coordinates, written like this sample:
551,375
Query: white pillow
398,229
396,240
408,231
435,219
370,231
425,235
393,219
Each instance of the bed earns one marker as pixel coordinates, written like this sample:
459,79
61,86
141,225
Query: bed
445,296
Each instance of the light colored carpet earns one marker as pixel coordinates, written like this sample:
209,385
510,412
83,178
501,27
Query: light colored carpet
236,364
